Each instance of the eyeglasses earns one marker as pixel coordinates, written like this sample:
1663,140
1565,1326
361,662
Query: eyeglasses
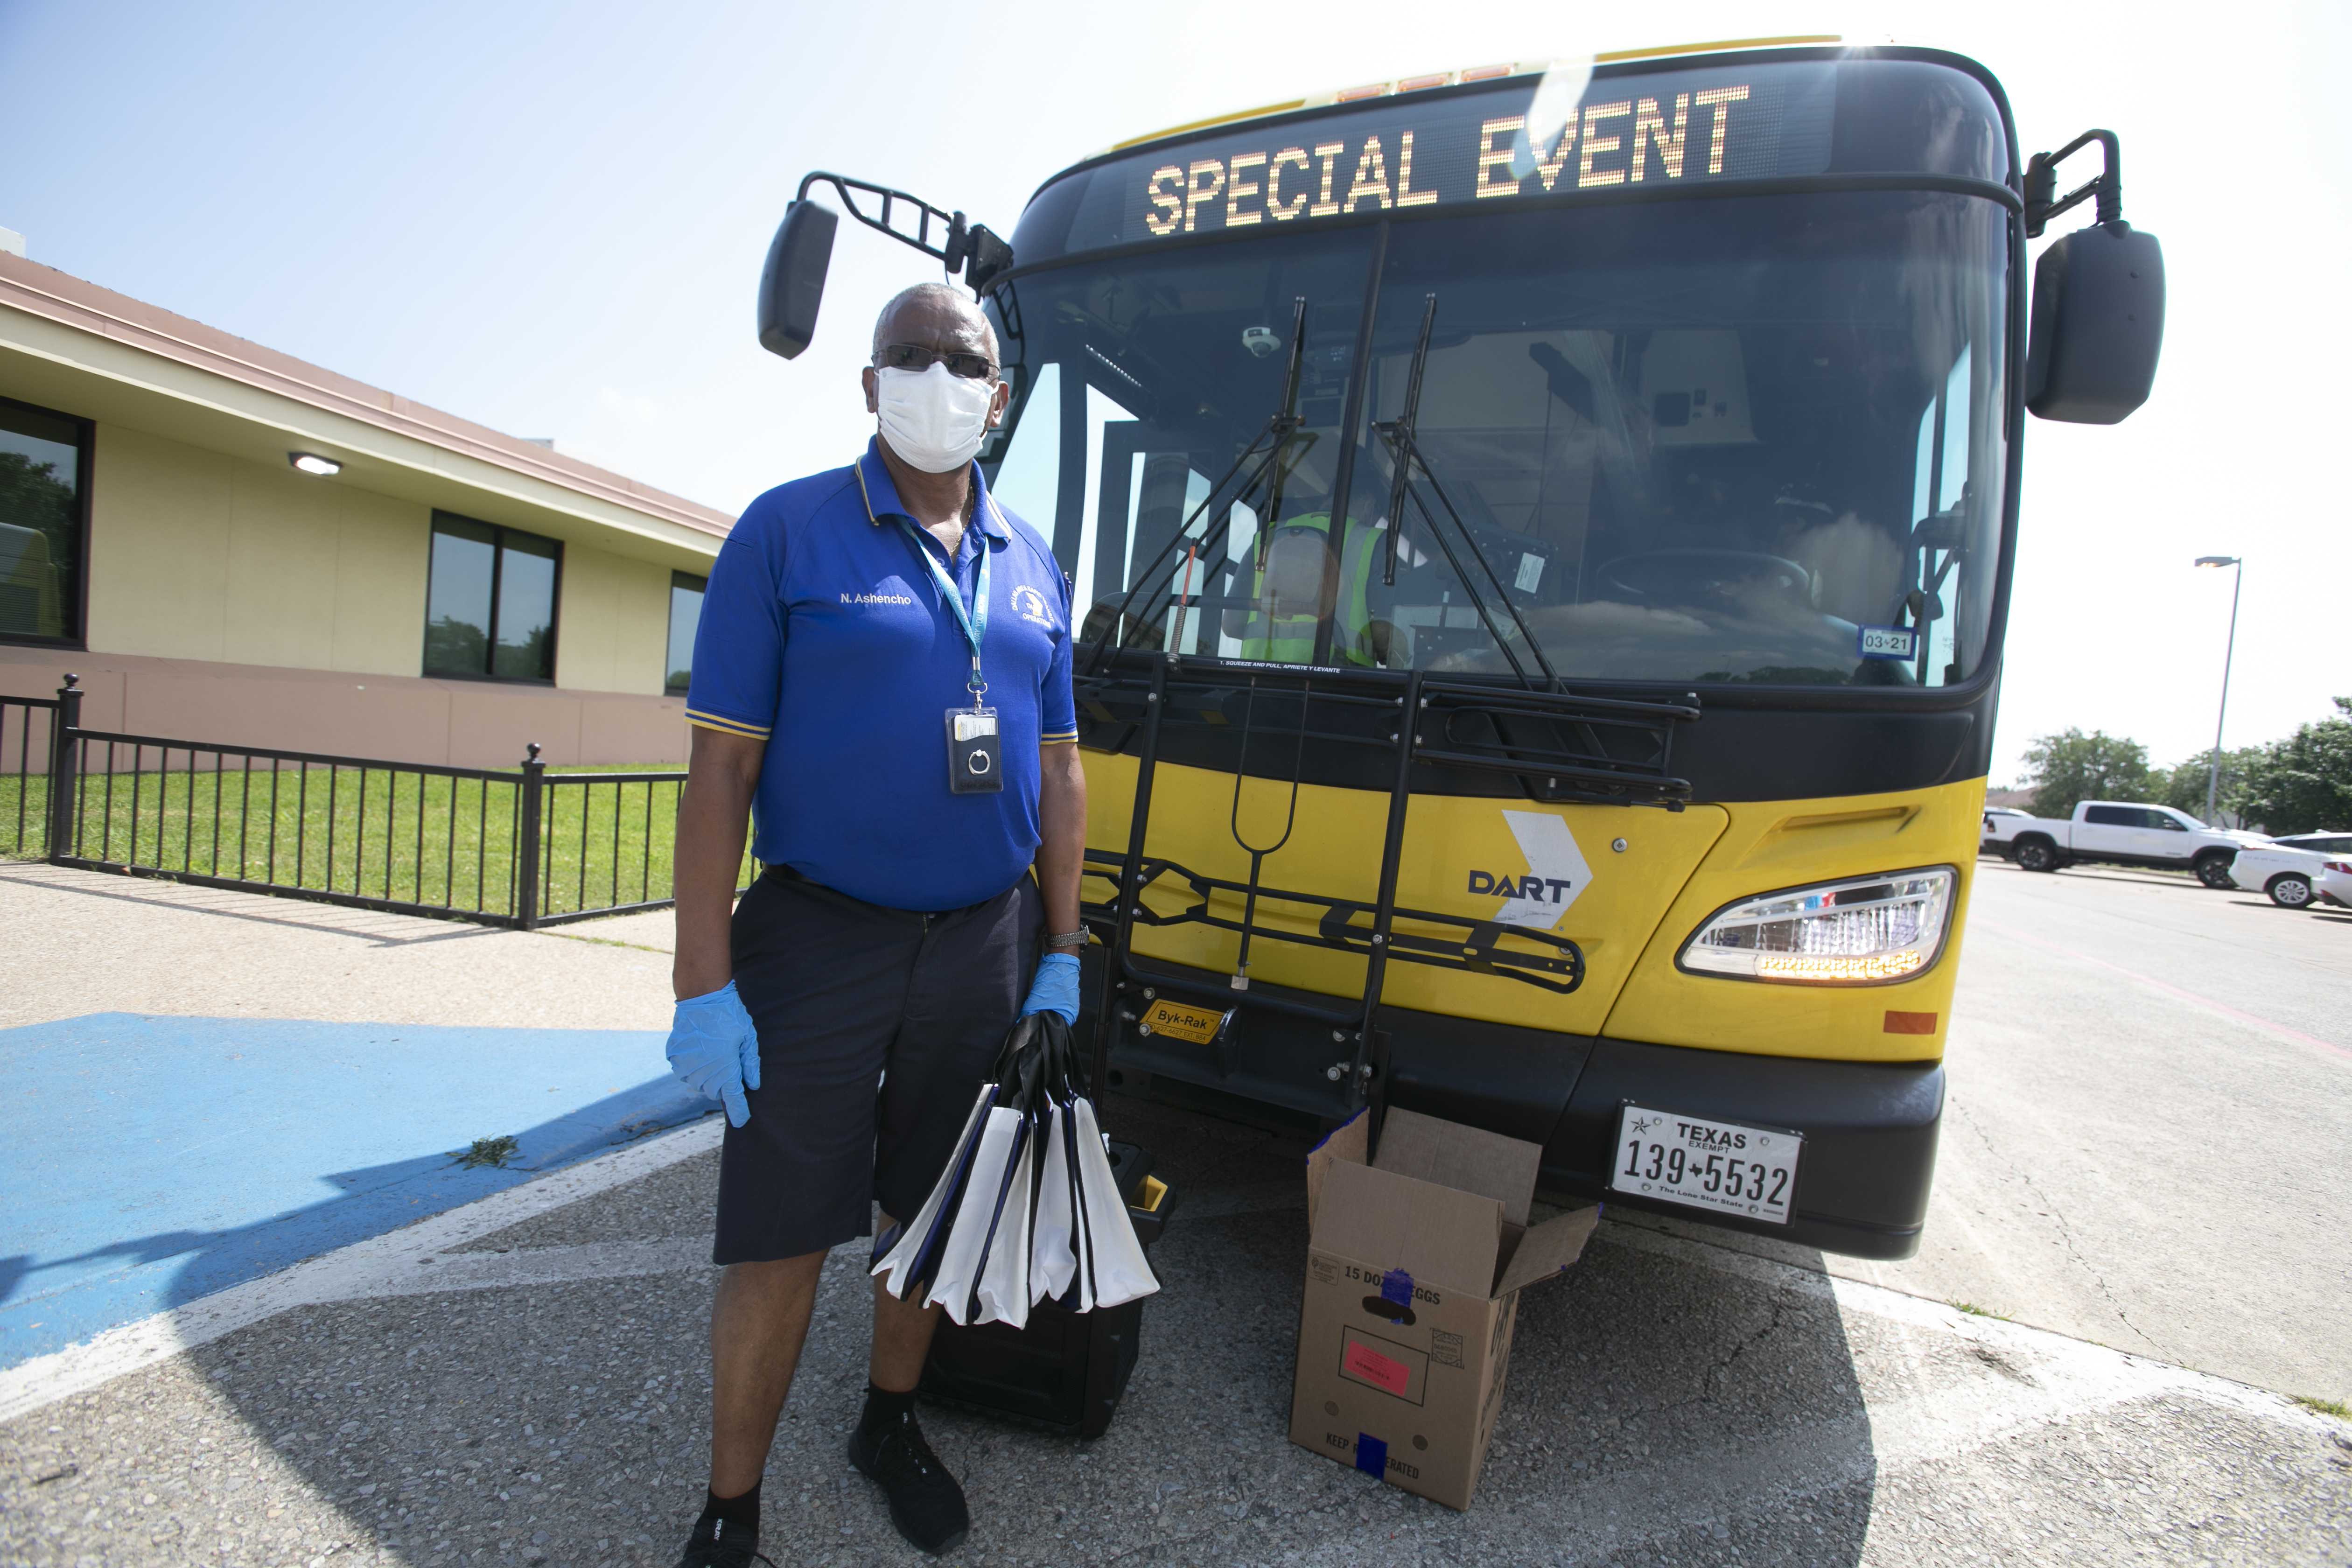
914,356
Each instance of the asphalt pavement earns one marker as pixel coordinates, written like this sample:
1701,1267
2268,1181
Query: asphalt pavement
2151,1098
519,1377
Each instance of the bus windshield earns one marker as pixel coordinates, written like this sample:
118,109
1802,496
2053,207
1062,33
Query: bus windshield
1753,439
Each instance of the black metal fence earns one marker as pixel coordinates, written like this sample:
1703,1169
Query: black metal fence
27,756
523,848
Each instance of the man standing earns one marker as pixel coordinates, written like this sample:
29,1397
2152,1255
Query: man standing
882,683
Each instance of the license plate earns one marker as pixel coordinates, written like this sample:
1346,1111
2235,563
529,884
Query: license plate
1723,1166
1198,1025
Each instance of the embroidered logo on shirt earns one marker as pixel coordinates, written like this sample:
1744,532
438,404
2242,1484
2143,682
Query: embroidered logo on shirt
875,599
1031,606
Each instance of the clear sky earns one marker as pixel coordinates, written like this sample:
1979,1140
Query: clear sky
551,218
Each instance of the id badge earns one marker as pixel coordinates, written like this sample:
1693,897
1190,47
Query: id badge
975,763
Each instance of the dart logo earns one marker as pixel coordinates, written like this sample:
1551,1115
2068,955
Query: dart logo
1555,877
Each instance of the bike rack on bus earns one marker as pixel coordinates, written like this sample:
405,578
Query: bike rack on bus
1558,746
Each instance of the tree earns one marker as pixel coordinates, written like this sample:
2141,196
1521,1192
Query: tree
2304,784
2070,767
32,496
2183,788
452,645
39,533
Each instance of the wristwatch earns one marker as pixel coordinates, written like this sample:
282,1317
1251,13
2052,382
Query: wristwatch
1078,938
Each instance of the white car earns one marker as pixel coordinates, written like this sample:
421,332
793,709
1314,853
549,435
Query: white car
2289,869
2335,883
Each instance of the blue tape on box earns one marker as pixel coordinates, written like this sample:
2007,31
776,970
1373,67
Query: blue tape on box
1372,1454
1396,1286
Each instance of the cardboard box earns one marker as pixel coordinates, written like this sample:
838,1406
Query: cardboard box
1414,1276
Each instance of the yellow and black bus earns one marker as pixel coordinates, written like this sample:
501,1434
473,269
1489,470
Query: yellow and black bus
1543,536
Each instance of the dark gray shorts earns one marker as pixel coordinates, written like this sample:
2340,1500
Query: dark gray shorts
846,993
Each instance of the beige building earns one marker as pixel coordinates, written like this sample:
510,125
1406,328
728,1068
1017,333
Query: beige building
228,545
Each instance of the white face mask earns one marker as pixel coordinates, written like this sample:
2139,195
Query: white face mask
933,419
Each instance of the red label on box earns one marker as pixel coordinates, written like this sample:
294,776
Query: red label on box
1377,1369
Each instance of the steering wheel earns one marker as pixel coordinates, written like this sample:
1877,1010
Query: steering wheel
1679,576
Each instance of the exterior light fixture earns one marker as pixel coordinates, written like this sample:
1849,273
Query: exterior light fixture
1864,932
311,463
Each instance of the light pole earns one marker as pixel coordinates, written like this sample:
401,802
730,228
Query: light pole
2230,649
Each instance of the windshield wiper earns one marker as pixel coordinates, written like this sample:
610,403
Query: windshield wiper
1401,474
1945,531
1279,427
1404,452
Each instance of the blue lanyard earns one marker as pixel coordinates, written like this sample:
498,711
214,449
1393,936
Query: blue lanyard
974,622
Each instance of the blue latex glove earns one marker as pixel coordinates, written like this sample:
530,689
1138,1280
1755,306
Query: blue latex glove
1056,989
715,1051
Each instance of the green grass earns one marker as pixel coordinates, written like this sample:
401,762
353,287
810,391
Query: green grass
492,1151
1974,1311
28,839
2335,1407
373,833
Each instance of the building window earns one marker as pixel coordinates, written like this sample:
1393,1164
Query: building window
44,489
685,617
489,611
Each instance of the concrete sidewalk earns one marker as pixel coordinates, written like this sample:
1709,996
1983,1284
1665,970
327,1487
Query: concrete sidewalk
84,941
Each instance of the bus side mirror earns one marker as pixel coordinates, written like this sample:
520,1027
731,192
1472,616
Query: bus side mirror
792,284
2098,325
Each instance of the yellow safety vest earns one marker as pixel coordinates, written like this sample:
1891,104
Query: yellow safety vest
1290,639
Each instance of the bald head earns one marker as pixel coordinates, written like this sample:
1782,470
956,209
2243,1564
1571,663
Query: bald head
938,316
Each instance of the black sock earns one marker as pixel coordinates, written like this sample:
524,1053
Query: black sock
882,1408
736,1518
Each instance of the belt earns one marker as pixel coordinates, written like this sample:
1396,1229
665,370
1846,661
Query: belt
784,873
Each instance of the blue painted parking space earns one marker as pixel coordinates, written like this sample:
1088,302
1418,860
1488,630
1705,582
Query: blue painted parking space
152,1161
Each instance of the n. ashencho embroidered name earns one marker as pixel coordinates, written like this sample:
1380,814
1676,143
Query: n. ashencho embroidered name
875,599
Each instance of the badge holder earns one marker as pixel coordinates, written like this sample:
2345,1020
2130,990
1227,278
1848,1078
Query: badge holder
975,755
975,761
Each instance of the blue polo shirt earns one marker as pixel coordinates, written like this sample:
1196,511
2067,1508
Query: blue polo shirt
824,635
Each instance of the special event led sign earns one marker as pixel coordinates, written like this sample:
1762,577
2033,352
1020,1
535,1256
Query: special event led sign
1759,118
1253,188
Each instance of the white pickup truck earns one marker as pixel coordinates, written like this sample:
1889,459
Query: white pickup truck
2116,833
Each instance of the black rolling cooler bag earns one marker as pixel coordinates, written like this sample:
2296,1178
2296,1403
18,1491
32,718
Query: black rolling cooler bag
1065,1371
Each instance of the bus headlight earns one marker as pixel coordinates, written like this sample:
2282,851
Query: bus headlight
1866,931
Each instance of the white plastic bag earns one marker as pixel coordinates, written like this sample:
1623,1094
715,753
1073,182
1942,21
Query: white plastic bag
904,1253
1053,1256
1120,1272
1003,1294
960,1263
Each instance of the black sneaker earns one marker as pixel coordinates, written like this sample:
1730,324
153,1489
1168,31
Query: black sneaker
706,1548
926,1503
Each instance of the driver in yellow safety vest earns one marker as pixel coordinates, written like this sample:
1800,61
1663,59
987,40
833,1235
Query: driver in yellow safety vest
1297,575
